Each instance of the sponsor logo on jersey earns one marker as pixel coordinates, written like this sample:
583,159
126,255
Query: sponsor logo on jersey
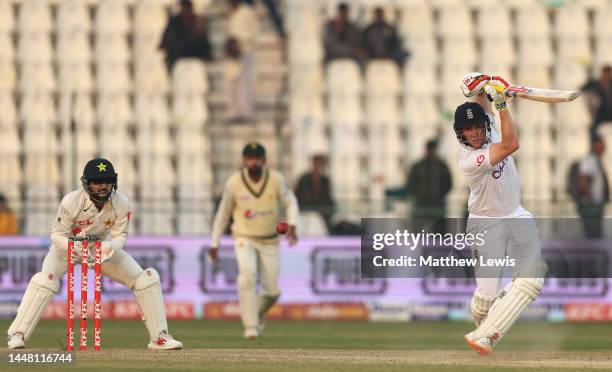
480,159
83,222
249,214
498,172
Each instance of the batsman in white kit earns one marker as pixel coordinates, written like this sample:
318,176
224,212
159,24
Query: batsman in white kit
99,212
495,210
254,197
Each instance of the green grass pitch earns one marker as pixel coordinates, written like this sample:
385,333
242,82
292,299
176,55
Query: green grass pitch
333,346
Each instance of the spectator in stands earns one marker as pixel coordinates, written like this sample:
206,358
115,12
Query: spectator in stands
243,27
313,191
599,94
8,221
594,189
240,105
185,36
275,16
429,181
381,41
341,37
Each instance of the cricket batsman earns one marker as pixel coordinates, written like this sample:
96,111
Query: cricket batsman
253,197
495,211
99,211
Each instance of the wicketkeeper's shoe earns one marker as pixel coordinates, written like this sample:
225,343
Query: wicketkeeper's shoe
251,333
15,341
482,346
165,342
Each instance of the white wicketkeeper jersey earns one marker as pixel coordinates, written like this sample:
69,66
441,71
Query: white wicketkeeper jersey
495,191
77,210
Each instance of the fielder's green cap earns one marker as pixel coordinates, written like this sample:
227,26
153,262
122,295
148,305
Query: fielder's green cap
254,149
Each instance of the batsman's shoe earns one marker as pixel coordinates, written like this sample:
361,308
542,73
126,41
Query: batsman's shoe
251,333
15,341
482,346
165,342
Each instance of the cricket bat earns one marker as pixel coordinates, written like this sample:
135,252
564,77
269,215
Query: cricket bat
542,95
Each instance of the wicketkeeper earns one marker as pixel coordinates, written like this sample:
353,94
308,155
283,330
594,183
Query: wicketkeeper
102,213
496,211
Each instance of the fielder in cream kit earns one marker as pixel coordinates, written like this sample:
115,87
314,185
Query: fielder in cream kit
495,210
254,197
97,211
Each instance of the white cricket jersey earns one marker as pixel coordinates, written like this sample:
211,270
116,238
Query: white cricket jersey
77,210
495,191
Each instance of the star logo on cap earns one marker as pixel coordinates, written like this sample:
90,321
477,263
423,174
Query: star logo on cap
101,167
470,114
253,145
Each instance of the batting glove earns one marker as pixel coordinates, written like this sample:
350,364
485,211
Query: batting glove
495,93
501,80
473,83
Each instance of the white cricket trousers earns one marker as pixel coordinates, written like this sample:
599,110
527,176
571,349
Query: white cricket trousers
252,256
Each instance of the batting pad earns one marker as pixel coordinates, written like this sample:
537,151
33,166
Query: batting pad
508,307
147,288
480,306
40,291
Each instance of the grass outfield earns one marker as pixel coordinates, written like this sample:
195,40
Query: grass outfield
331,346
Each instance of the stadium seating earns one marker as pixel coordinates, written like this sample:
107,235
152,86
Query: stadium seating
420,80
111,17
532,21
416,21
35,16
189,111
8,76
34,47
73,17
496,15
111,48
455,23
149,18
37,111
151,76
114,111
571,20
73,47
7,49
7,19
